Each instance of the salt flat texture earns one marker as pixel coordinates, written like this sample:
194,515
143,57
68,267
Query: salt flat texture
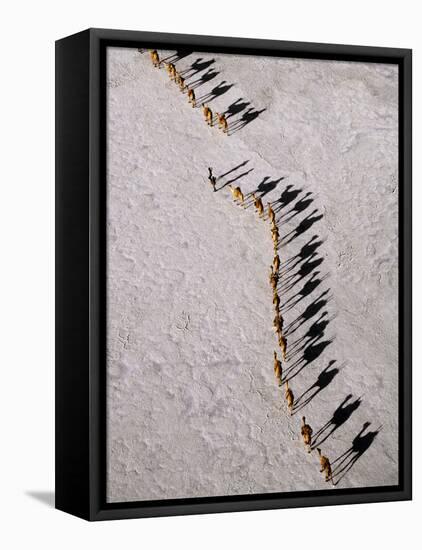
193,406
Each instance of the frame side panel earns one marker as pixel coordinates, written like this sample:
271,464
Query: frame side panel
72,270
406,272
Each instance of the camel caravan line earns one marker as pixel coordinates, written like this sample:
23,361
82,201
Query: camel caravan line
221,118
278,322
274,276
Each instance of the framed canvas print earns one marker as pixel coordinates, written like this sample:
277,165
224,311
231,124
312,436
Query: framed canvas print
233,274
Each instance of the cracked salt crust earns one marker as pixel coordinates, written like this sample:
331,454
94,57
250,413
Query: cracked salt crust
193,408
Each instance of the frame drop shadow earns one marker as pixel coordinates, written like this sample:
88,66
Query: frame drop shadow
48,498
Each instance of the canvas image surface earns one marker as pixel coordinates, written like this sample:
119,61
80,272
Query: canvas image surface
252,274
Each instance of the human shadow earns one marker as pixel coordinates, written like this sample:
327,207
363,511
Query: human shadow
340,416
236,178
348,459
233,169
324,379
236,107
217,91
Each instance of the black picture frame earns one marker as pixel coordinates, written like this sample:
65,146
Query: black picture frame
80,274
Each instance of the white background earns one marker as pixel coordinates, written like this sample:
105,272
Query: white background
27,272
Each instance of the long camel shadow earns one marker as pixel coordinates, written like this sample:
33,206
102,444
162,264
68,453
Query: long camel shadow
307,252
249,116
287,196
177,56
306,268
324,379
310,311
348,459
304,253
266,186
312,351
340,416
300,206
263,188
215,92
304,225
203,79
314,333
311,284
196,67
237,107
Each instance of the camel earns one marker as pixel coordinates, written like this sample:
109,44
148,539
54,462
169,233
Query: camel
176,76
222,122
171,70
277,368
191,96
271,214
207,114
276,262
181,82
278,323
258,204
289,397
276,300
275,234
237,194
272,273
325,466
306,432
278,319
273,278
283,345
155,58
